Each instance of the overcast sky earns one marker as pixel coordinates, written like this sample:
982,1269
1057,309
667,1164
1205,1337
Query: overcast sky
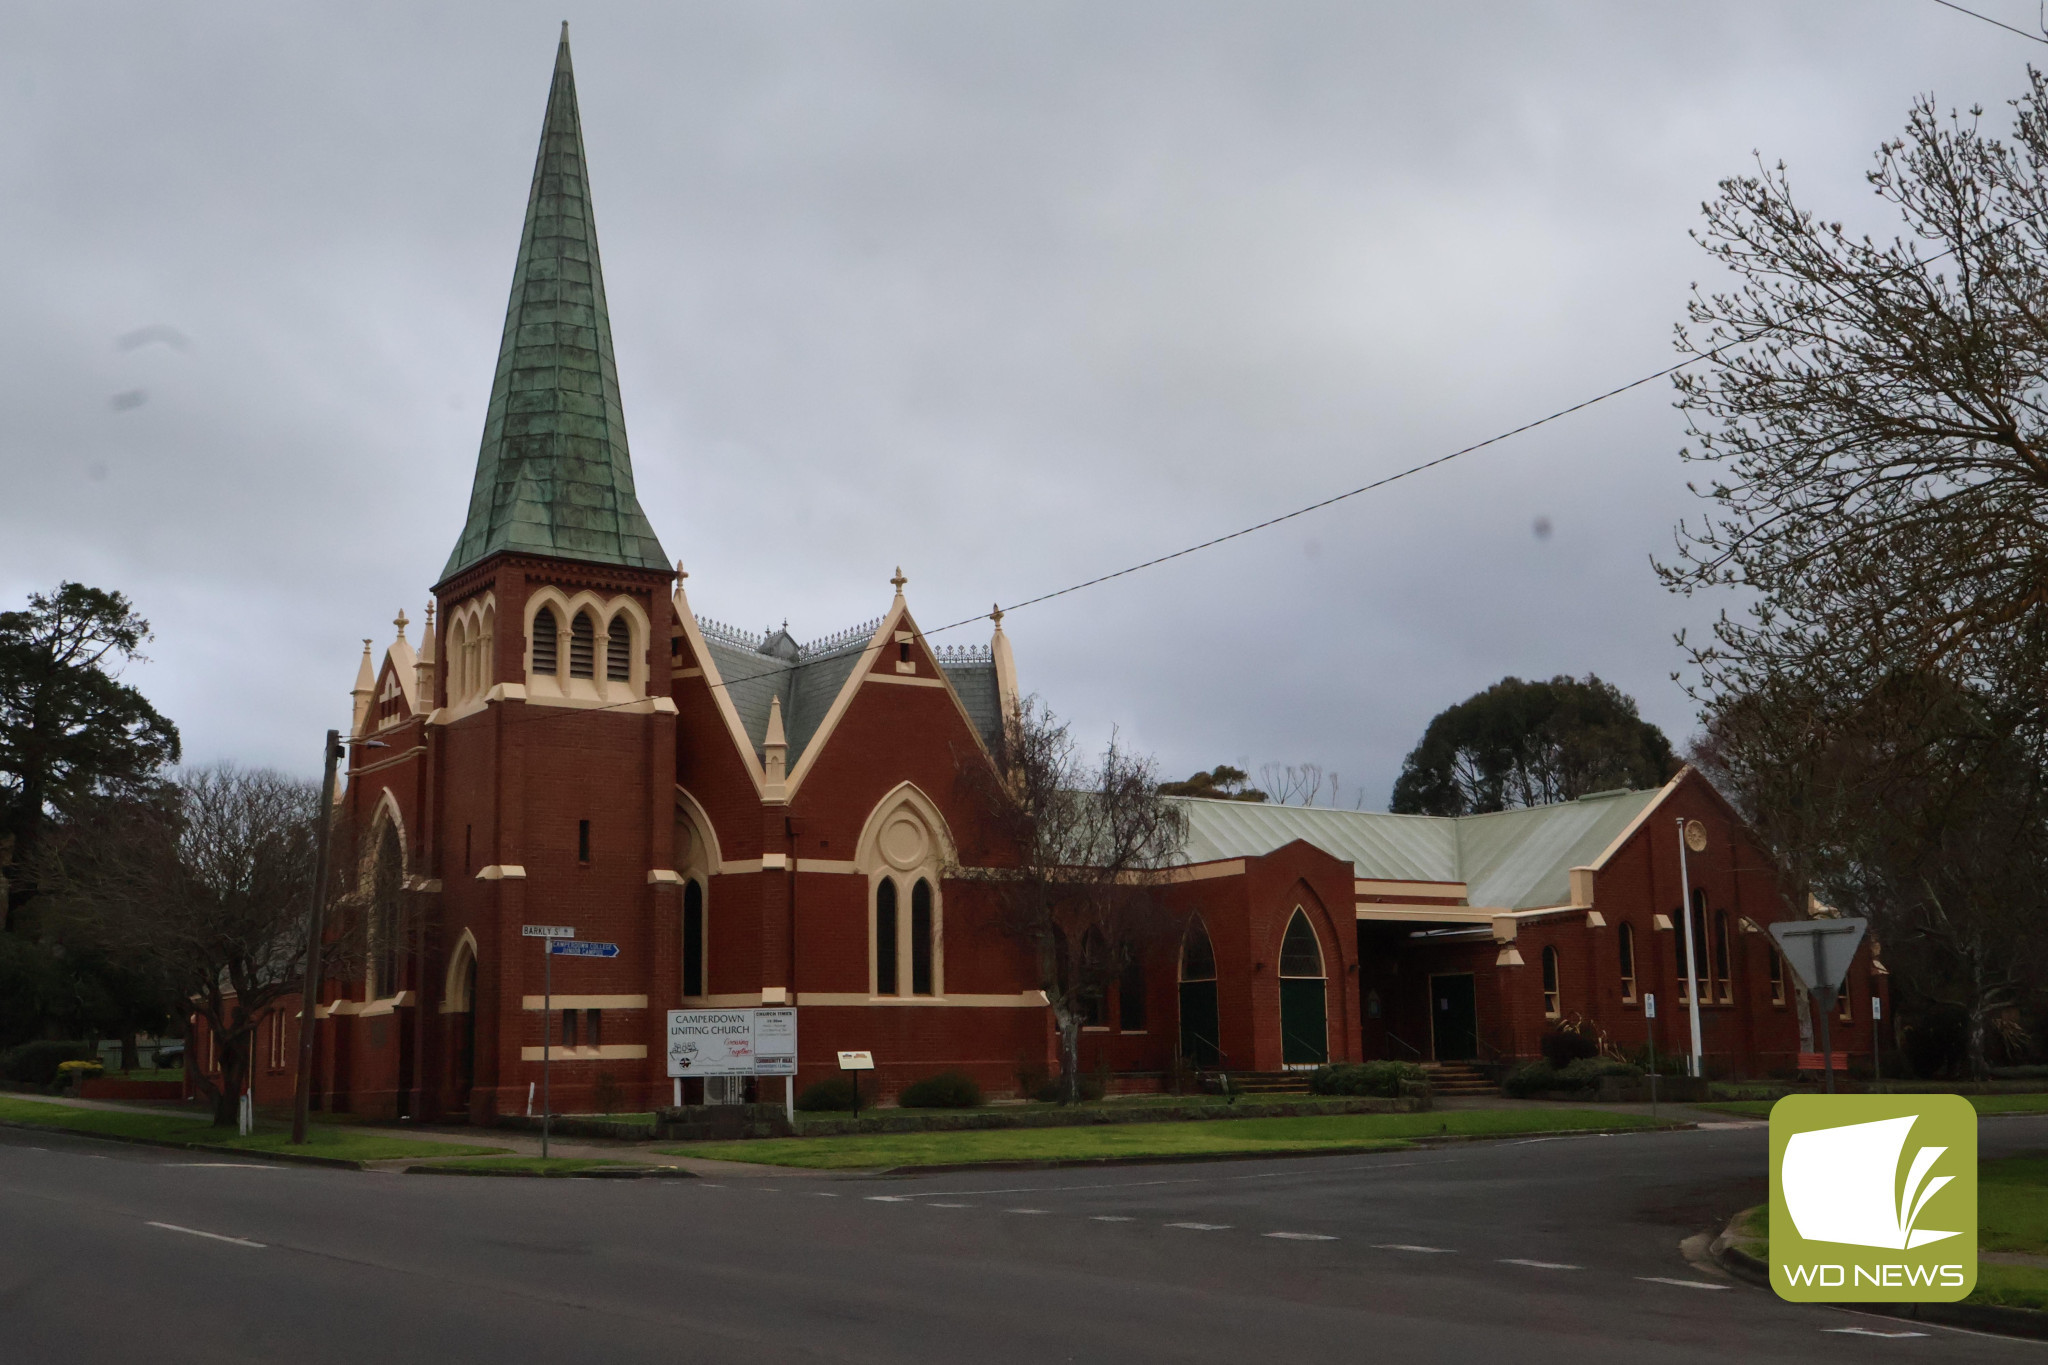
1010,295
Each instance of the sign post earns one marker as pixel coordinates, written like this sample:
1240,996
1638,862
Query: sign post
1650,1022
1819,952
546,933
856,1062
1876,1041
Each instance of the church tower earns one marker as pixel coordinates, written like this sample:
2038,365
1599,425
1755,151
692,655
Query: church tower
552,748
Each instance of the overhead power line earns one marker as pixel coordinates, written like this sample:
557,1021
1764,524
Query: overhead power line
1995,23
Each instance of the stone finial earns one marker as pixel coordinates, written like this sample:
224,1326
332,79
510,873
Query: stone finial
1007,694
899,580
681,572
775,756
401,622
996,615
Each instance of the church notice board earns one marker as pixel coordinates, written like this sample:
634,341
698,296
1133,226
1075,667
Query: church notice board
744,1042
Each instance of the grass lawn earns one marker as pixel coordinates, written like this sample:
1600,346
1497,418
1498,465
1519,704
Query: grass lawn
528,1165
1332,1132
192,1128
2012,1215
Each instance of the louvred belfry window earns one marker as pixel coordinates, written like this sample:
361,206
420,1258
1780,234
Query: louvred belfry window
545,630
582,646
618,651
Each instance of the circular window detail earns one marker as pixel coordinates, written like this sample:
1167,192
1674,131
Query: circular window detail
904,841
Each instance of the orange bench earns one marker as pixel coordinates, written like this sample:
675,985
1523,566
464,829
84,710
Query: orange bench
1812,1061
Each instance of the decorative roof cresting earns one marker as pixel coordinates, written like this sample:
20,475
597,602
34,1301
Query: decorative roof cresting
554,476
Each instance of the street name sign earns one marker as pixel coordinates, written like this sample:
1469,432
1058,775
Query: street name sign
742,1042
547,931
570,947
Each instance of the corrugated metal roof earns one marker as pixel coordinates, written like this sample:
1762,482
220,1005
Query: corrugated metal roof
1520,859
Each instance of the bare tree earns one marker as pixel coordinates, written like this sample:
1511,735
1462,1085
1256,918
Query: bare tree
205,889
1293,784
1079,852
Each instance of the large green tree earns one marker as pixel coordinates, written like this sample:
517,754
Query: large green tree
1531,744
70,729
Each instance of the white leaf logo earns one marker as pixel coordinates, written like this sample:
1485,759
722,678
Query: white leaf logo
1842,1185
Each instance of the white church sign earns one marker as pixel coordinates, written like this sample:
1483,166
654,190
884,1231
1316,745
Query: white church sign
743,1042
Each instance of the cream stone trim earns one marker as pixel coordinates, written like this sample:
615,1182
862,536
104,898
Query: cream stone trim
1582,885
506,691
388,1005
774,862
1433,914
662,876
645,706
700,821
1595,920
402,756
584,1002
1661,923
738,868
1503,928
466,944
1202,872
686,672
1629,831
1509,956
1374,886
825,865
728,1001
501,872
721,696
775,995
907,682
1021,1000
610,1052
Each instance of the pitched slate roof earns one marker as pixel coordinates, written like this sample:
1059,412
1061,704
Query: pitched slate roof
1517,859
809,683
554,476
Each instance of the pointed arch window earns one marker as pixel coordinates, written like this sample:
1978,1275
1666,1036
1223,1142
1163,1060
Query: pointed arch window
921,933
1722,986
618,650
1552,1000
693,938
546,641
1304,996
1626,943
582,646
885,936
1200,1022
387,875
1130,996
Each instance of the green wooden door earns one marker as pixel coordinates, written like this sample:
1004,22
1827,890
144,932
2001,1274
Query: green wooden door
1200,1024
1304,1022
1454,1017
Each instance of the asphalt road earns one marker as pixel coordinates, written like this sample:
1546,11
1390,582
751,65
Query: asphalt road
1534,1250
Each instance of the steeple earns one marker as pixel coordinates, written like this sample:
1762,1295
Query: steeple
554,476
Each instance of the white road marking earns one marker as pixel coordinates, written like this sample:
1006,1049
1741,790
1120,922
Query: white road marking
1539,1265
824,1194
228,1165
1301,1236
1682,1284
949,1206
1110,1218
1026,1210
1190,1180
887,1198
1866,1332
1202,1227
1406,1246
213,1236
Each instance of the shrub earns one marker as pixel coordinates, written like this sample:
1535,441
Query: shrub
1563,1046
1533,1078
947,1090
829,1096
1588,1072
37,1063
1364,1078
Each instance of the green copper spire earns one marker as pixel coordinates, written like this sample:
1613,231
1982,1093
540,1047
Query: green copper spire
554,476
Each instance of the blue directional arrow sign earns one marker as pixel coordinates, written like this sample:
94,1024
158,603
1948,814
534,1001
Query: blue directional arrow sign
575,947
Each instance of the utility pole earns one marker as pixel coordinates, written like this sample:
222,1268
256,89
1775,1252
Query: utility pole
1692,971
316,915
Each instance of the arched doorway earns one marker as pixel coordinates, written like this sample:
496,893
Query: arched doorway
1304,1010
465,1037
1200,1022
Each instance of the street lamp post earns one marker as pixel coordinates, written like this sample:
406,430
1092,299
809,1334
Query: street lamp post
1692,971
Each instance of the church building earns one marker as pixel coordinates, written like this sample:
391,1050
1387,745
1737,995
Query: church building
757,820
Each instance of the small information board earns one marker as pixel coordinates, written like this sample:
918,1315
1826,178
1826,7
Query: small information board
1649,1005
856,1061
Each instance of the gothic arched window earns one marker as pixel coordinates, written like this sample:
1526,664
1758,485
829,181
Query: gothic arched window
545,645
618,650
582,646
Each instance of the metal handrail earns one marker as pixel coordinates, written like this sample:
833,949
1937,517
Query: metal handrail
1405,1043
